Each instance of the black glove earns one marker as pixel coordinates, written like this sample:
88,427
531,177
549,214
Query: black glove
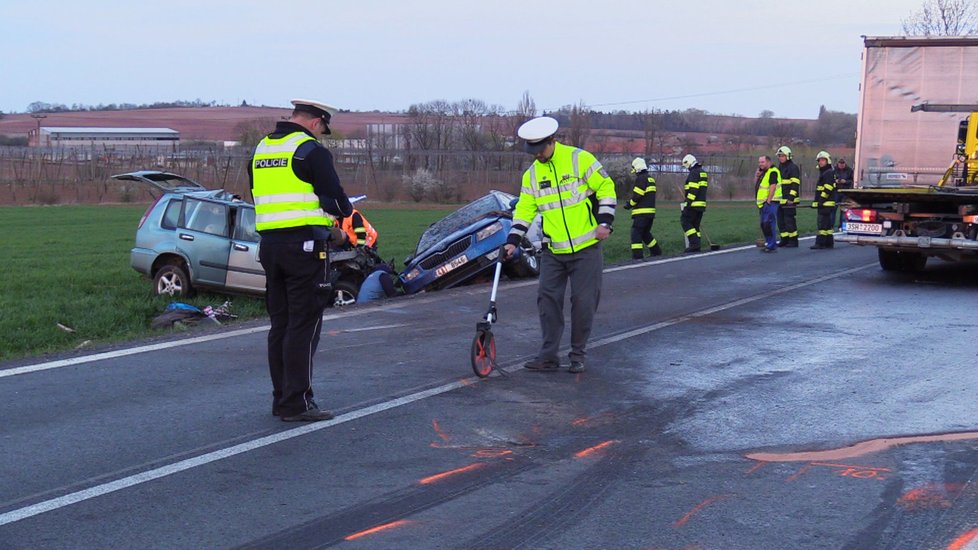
628,206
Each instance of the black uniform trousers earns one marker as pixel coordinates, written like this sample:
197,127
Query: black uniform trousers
825,220
642,236
690,219
295,300
788,224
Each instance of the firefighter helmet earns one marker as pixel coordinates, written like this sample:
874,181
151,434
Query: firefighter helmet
689,161
638,165
823,155
784,150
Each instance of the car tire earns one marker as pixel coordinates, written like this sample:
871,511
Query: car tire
172,280
344,294
526,266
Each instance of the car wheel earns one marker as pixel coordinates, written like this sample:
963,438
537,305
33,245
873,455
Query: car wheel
344,294
172,280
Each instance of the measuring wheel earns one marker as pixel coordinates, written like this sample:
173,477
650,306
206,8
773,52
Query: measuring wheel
483,353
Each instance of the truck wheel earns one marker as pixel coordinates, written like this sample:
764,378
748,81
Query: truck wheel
172,280
889,260
913,262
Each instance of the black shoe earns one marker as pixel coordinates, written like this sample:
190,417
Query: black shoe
309,415
541,366
789,244
637,258
766,249
691,250
576,367
656,250
818,247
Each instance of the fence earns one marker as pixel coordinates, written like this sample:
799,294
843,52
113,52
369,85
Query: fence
64,176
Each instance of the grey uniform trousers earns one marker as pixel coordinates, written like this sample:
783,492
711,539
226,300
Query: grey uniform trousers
583,269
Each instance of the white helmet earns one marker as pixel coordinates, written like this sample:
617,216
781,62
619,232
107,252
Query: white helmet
638,165
689,161
823,155
784,150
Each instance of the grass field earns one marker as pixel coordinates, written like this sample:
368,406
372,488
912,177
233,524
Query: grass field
69,265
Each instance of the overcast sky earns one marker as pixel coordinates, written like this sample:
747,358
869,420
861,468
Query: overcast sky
724,56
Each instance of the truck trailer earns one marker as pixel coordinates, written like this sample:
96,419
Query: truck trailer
916,173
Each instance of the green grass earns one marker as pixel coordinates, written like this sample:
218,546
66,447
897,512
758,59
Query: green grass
70,265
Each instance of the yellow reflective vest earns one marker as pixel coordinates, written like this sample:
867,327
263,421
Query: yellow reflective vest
564,190
764,182
282,200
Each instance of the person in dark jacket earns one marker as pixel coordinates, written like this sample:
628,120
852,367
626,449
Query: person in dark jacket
824,201
843,180
642,205
790,198
695,204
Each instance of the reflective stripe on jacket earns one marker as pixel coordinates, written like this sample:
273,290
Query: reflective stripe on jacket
282,200
825,190
771,177
790,182
643,194
358,229
695,187
570,191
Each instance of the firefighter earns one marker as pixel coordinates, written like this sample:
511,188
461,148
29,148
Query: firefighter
824,201
359,231
768,198
695,203
295,185
642,205
790,198
843,180
575,197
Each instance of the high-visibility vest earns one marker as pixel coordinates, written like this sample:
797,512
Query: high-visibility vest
764,183
561,190
695,188
365,234
282,200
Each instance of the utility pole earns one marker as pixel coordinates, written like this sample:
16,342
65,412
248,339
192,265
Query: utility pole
38,117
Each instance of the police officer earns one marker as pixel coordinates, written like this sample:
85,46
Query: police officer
294,184
790,198
695,203
575,197
824,201
358,230
642,205
767,193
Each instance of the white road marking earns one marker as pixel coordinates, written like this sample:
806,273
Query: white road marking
204,459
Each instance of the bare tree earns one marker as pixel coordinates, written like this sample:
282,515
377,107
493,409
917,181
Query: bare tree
649,123
580,125
526,108
943,18
250,132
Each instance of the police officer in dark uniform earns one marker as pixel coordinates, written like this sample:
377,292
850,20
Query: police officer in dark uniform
294,184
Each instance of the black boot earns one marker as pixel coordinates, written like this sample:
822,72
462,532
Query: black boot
656,250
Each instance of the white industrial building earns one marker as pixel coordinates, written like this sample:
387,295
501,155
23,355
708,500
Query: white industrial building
69,137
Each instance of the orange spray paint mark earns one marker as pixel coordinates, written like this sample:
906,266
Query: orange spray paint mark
596,448
961,542
333,332
756,467
860,449
438,477
696,509
802,471
929,496
580,421
377,529
438,430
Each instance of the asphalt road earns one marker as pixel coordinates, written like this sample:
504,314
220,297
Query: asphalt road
732,400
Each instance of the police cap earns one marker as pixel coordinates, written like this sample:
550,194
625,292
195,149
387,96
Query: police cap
317,108
537,132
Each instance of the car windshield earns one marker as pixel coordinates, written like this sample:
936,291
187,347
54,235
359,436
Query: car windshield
467,215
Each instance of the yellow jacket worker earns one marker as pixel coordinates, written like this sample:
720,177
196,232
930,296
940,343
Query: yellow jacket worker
575,197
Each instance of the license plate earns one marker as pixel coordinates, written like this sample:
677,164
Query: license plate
451,265
865,228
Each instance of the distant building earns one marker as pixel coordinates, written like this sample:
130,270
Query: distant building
67,137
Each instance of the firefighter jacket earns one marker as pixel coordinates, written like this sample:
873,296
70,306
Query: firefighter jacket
790,183
825,190
771,177
359,230
695,187
643,194
573,194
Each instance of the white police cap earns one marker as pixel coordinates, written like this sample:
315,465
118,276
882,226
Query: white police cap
317,108
536,131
